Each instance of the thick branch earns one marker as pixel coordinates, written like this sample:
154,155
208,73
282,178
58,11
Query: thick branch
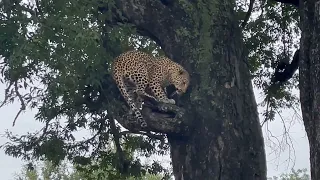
285,71
122,164
150,19
160,117
246,19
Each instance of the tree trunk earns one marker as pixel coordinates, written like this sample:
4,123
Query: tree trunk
310,79
225,140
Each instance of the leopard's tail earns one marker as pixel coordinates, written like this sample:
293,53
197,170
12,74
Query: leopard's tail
124,91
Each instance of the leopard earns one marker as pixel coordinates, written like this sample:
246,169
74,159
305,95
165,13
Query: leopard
136,71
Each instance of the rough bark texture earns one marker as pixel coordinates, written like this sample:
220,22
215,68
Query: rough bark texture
310,79
225,139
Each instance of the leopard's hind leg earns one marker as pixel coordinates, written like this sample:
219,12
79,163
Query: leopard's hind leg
129,99
138,100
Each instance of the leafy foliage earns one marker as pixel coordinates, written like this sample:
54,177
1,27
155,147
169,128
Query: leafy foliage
47,171
270,36
300,174
56,58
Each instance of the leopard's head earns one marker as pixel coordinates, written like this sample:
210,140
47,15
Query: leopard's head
180,79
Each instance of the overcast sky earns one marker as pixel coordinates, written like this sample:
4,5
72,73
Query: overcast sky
299,151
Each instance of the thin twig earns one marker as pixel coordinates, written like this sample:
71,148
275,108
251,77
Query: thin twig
23,105
6,95
287,137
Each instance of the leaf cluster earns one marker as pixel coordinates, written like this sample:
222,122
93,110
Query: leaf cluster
56,58
47,170
300,174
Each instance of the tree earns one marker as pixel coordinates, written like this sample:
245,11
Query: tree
310,80
214,133
225,140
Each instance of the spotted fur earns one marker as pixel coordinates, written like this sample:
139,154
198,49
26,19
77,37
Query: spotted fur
134,71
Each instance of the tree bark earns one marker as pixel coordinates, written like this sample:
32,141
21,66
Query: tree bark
310,79
225,138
